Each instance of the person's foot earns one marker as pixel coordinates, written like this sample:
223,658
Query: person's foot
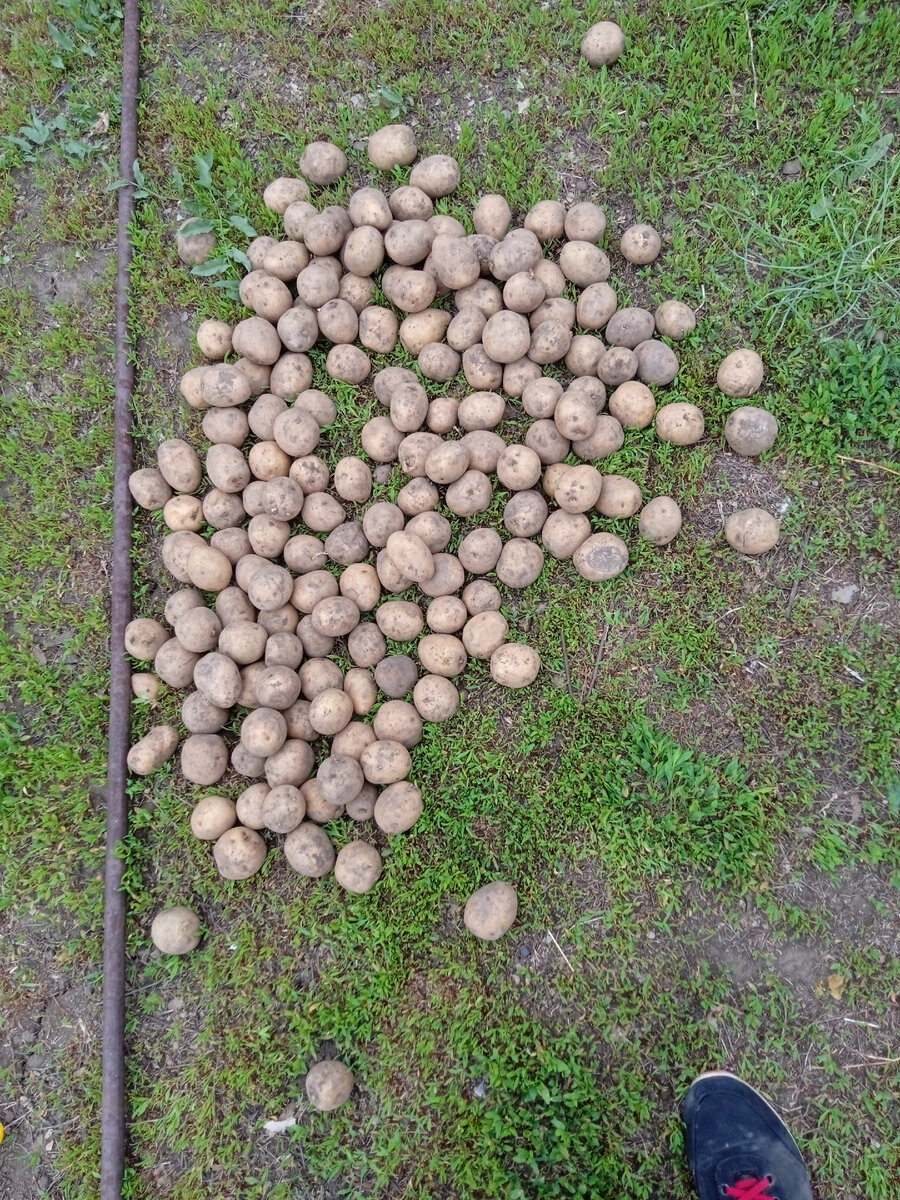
737,1145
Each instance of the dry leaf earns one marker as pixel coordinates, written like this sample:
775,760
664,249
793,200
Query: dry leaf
100,126
836,985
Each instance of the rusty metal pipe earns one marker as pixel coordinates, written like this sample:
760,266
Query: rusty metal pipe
113,1110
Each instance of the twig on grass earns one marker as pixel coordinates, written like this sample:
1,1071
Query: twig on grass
864,462
753,69
796,587
560,949
565,654
597,662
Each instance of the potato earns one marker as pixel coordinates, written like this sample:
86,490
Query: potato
437,175
583,263
470,494
149,488
481,596
520,563
751,531
447,462
293,764
319,406
436,698
198,630
514,665
335,616
330,711
278,687
596,305
681,424
283,650
378,329
564,532
316,285
409,290
385,762
204,758
525,514
239,853
360,687
179,465
552,278
363,251
523,293
243,641
492,216
398,807
547,442
479,551
400,620
369,206
448,576
506,337
740,374
265,295
657,362
413,452
263,732
145,686
633,405
256,375
396,675
484,449
546,220
318,675
617,365
225,512
397,721
410,555
408,242
392,146
410,204
359,582
480,370
380,520
575,416
339,776
348,364
619,497
442,415
550,342
483,247
260,246
446,614
247,764
640,244
481,410
409,407
249,806
362,807
176,930
520,250
176,549
227,468
338,322
491,911
483,295
601,556
517,375
751,431
270,588
280,620
465,329
353,738
308,851
584,354
286,260
263,414
144,637
607,438
454,261
208,569
226,425
357,869
294,221
322,513
153,750
347,545
438,362
284,191
629,327
675,320
194,248
283,808
660,521
484,633
304,553
558,309
380,440
267,460
323,163
539,398
211,816
391,579
442,654
518,468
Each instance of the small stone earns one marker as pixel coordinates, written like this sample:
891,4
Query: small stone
846,594
792,168
383,473
524,952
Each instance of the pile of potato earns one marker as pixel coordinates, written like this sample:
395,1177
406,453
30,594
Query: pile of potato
287,565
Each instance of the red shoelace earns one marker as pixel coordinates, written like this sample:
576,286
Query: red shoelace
750,1189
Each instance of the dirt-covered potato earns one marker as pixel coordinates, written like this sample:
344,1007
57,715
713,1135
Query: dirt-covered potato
547,442
174,665
640,244
309,851
177,549
258,340
446,614
506,337
465,329
143,638
149,488
361,688
338,322
470,494
316,285
518,468
283,650
454,262
442,654
398,721
396,675
194,248
540,397
293,764
339,778
481,596
564,532
479,551
369,206
617,365
517,375
322,513
546,220
629,327
243,641
409,290
359,582
575,415
145,686
283,192
523,293
278,686
601,556
153,750
268,536
515,665
398,807
439,363
601,46
385,762
410,204
751,531
211,817
525,514
204,758
584,354
349,364
247,764
675,320
448,576
179,465
270,588
660,521
335,616
380,440
483,633
681,424
239,853
347,545
408,242
583,263
263,732
226,425
378,329
442,415
436,698
411,556
249,806
485,448
492,216
413,452
400,620
362,806
740,374
330,711
550,342
392,146
352,739
657,362
198,630
480,370
619,497
208,569
357,869
750,431
176,930
283,808
390,578
520,563
437,175
409,407
265,295
519,250
323,163
483,295
633,405
329,1083
481,410
317,675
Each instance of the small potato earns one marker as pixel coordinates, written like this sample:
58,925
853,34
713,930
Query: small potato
601,556
284,191
176,549
357,869
578,489
283,650
633,405
740,374
484,449
227,468
175,665
323,163
385,762
179,465
149,488
179,602
584,222
466,328
523,293
629,327
469,495
390,578
211,816
506,337
484,633
409,407
319,406
481,410
409,290
750,431
483,295
411,556
397,721
227,425
255,375
249,806
361,688
380,520
681,424
330,711
400,620
564,532
492,216
674,320
446,614
225,512
525,514
491,911
606,439
304,553
551,277
380,440
447,462
583,263
204,758
362,807
539,398
640,244
751,531
520,563
247,764
398,807
145,686
144,637
515,665
436,698
260,246
338,322
481,596
518,468
392,146
660,521
657,362
318,675
550,342
363,251
619,497
480,370
557,308
294,222
479,551
153,750
396,675
267,535
214,339
410,204
617,365
280,620
267,460
520,250
353,738
335,616
408,242
437,175
278,687
308,851
208,569
298,328
483,245
379,329
359,582
547,442
369,206
176,930
316,285
194,248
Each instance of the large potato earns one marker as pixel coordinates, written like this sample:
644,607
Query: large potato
470,494
518,468
392,146
239,853
492,216
398,721
617,365
545,439
525,514
179,465
550,342
309,851
657,362
149,488
400,620
480,370
410,204
483,633
675,320
481,410
640,244
546,220
607,438
323,163
411,556
436,698
485,448
515,665
396,675
633,405
442,654
481,596
629,327
409,290
564,532
454,262
385,762
540,397
357,869
398,807
681,424
520,563
446,614
437,175
144,637
619,497
520,250
740,374
448,576
360,583
204,758
479,551
583,263
750,431
265,295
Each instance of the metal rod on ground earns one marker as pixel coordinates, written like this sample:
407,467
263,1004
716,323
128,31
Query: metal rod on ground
112,1132
565,654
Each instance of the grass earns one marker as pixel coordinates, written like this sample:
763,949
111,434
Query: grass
702,845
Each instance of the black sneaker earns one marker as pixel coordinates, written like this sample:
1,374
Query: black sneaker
737,1145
